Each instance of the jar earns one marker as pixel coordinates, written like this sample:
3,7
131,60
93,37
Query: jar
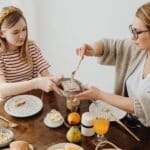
87,123
71,104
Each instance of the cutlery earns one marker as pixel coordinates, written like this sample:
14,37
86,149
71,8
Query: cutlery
76,69
10,123
100,144
122,124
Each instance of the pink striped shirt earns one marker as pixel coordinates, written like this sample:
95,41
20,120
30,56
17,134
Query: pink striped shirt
15,69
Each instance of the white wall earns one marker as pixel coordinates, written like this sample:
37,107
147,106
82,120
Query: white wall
60,26
67,24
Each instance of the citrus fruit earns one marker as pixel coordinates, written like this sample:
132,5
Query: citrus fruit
73,118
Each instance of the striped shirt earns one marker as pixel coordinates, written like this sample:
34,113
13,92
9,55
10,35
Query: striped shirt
14,69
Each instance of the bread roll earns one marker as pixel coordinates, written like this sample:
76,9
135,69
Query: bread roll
71,147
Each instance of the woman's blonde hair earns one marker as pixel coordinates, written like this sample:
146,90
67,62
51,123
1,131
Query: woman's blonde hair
9,16
143,13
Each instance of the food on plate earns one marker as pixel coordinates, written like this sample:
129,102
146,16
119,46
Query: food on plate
73,118
71,147
73,134
70,86
4,137
55,116
19,102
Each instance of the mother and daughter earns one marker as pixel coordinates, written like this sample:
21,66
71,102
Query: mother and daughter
23,67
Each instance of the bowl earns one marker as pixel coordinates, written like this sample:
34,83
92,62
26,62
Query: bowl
70,83
53,119
6,136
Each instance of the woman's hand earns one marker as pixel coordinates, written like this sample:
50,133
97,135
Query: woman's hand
86,50
91,93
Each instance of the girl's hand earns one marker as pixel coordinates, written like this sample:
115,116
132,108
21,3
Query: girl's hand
56,79
45,84
91,93
86,50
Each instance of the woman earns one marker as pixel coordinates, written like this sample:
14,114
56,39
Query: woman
132,61
22,66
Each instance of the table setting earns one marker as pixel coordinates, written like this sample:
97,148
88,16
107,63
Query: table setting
48,121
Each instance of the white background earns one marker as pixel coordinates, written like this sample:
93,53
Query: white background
60,26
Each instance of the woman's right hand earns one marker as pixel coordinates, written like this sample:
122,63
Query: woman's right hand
86,50
90,93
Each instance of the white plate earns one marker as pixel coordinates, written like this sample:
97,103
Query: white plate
61,146
53,124
101,106
31,107
30,147
10,136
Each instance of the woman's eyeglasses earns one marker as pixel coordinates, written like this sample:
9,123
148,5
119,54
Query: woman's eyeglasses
135,32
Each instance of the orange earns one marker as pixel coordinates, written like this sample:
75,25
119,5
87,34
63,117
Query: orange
73,118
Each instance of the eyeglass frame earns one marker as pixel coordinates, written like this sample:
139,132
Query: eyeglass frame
136,33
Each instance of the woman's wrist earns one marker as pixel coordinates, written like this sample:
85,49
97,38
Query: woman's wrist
101,95
98,48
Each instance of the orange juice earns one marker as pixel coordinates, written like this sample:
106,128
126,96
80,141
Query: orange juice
101,126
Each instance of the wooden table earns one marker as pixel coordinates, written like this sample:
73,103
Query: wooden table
34,131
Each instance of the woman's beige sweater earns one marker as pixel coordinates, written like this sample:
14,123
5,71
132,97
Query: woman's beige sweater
126,57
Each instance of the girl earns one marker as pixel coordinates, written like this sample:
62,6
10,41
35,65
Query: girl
21,61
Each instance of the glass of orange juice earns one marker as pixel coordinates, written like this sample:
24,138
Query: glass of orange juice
101,127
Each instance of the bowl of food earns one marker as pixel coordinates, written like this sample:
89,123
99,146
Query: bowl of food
69,87
53,119
6,136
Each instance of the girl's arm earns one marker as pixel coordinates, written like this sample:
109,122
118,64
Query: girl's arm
9,89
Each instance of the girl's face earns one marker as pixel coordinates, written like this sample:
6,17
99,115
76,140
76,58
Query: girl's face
16,35
141,34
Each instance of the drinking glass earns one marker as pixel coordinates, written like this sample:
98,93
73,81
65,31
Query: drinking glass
101,127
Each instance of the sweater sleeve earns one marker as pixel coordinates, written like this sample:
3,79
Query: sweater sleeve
142,109
114,50
138,110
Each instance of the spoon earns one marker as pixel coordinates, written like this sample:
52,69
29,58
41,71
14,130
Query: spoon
10,123
75,71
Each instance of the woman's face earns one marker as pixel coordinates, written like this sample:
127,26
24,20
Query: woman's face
16,35
141,39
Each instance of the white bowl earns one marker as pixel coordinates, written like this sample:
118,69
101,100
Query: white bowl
6,136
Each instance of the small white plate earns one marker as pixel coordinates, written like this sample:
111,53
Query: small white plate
101,105
32,106
5,132
53,124
61,146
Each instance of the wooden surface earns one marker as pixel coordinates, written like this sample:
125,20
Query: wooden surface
34,131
